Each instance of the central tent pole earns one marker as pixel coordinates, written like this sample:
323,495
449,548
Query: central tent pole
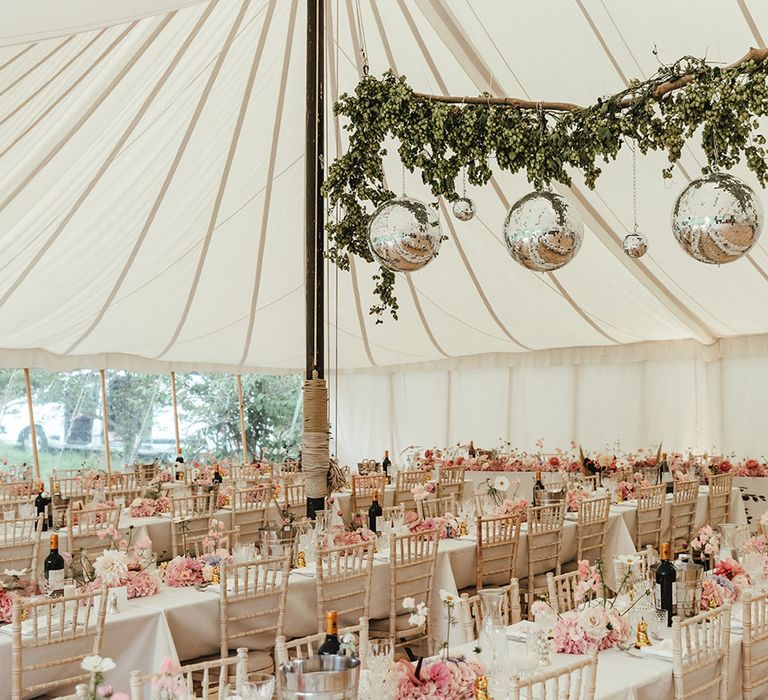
32,431
314,444
105,422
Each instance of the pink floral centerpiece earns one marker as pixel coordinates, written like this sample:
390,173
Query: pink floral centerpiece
184,571
347,537
707,542
447,525
517,508
15,584
438,679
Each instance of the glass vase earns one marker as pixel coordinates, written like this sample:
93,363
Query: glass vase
728,549
493,633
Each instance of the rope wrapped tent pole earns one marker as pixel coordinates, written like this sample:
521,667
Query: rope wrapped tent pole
315,440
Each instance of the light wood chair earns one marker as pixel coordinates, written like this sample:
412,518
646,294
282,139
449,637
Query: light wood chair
293,498
451,483
472,610
412,560
682,516
405,481
363,488
344,576
199,544
83,527
719,499
545,540
252,602
561,592
250,511
200,680
391,512
498,539
648,558
592,528
436,507
71,624
574,681
306,647
70,487
588,482
650,517
700,648
128,485
20,544
190,520
754,669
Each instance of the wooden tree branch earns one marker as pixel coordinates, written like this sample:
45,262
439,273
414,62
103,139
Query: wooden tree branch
757,55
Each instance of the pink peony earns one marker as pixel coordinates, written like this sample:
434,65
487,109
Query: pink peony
183,571
141,584
142,508
6,607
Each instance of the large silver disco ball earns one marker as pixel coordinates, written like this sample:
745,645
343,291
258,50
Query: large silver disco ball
542,231
717,219
635,245
463,208
404,234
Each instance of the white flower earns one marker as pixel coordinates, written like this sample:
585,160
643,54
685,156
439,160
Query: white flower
111,566
409,603
15,573
446,597
501,483
593,622
629,559
97,664
207,572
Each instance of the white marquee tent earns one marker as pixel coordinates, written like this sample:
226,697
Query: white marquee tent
151,218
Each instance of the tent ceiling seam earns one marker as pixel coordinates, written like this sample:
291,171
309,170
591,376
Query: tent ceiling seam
34,67
423,318
28,47
268,194
224,178
750,20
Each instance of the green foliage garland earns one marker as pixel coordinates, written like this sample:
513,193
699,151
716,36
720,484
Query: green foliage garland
441,139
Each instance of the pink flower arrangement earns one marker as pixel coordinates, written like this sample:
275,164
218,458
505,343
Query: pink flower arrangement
343,537
715,590
707,541
447,525
575,495
595,627
756,545
171,684
590,582
6,606
141,584
183,571
517,508
734,572
142,508
422,491
453,678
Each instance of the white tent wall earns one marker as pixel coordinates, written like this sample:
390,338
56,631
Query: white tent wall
714,406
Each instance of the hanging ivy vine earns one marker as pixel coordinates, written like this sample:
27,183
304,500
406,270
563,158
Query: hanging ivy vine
443,136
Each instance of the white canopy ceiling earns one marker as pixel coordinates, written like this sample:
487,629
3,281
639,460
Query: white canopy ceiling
151,185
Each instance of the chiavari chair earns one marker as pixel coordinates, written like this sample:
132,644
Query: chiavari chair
20,544
344,576
545,539
561,592
754,663
719,498
363,488
592,527
405,481
575,681
83,527
190,519
436,507
682,516
472,609
451,482
650,516
498,539
250,510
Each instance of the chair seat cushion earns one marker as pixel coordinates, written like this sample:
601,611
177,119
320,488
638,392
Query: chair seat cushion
379,627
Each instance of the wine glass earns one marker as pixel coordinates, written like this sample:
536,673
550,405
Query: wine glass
258,687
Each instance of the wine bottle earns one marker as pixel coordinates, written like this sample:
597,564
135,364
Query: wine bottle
331,644
374,512
665,584
666,475
538,489
472,451
386,464
53,567
41,506
217,478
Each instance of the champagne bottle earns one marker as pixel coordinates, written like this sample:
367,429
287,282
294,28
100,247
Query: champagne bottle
331,645
386,464
53,567
472,451
538,489
41,506
665,584
217,478
374,512
666,475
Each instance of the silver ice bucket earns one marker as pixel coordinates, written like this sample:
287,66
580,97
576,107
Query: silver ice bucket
328,677
549,496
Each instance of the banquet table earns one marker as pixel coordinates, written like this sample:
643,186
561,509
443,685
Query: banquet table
136,637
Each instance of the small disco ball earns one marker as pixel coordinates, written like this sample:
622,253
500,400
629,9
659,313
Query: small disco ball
542,231
463,208
717,219
635,245
404,234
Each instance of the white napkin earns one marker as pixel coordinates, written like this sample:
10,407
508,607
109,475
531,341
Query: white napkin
519,631
661,649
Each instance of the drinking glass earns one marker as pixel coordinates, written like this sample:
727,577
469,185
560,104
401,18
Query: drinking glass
258,687
380,658
493,635
528,658
244,552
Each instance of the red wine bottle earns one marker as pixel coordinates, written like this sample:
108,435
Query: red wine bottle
41,506
53,567
331,645
665,584
385,463
374,512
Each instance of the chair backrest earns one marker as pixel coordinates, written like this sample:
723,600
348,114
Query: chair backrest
472,609
412,559
252,601
190,519
200,680
683,514
650,516
451,482
574,681
700,647
648,558
344,577
405,481
205,544
754,670
592,526
588,482
83,527
306,647
561,592
293,497
545,539
553,481
436,507
250,510
17,491
498,538
719,498
20,544
56,634
391,512
129,485
363,488
69,487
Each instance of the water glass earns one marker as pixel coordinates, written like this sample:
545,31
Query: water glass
258,687
244,552
380,657
528,659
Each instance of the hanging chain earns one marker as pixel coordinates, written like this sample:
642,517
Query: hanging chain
634,186
361,33
464,183
402,171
